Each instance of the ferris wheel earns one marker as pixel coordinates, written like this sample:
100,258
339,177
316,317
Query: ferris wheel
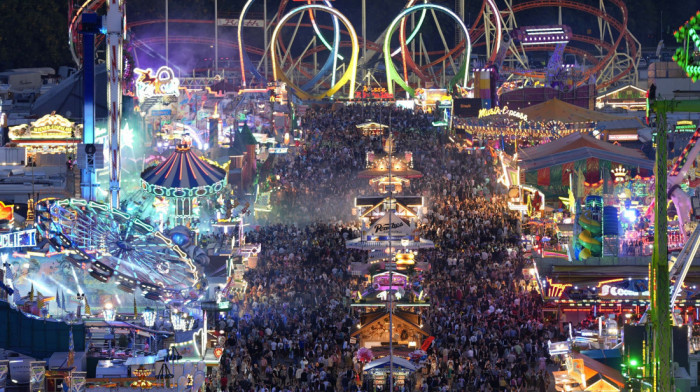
114,246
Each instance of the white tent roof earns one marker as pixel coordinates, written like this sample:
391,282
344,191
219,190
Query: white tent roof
383,363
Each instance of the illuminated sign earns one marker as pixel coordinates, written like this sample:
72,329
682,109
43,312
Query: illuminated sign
559,348
624,137
375,93
620,174
278,150
504,111
163,83
51,126
685,126
612,291
6,211
18,239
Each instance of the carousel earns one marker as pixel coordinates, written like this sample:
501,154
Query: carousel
184,177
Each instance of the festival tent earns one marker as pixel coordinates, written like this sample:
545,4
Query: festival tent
577,146
556,110
552,166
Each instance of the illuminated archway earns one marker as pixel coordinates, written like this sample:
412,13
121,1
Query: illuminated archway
348,76
393,75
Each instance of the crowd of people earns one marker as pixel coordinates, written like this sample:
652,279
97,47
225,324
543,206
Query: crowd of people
291,329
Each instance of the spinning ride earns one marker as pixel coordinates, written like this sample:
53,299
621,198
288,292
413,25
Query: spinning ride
115,246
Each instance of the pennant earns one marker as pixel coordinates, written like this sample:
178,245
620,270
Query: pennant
543,176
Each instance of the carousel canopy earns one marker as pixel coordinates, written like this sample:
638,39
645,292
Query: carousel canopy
556,110
578,146
183,174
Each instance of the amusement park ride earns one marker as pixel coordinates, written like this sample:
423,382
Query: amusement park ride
112,245
610,58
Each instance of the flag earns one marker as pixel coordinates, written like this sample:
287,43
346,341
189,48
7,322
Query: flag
63,301
58,299
71,348
136,312
31,294
87,308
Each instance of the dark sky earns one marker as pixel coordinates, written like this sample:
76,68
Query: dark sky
34,33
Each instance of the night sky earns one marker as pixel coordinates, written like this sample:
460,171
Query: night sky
34,33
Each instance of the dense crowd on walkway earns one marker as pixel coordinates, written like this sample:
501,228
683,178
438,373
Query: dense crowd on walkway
291,330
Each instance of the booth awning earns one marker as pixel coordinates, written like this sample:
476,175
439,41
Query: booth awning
556,110
579,146
383,364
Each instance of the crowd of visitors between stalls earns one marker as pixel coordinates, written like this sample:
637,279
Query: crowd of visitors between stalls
291,331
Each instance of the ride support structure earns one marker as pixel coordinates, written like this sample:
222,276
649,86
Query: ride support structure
115,42
660,355
90,23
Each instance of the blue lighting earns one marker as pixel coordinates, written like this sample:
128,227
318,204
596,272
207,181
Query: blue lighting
180,239
630,215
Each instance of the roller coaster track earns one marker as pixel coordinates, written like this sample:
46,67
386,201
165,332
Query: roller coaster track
621,27
74,39
601,64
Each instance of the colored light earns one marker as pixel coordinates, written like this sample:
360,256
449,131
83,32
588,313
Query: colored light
348,76
393,75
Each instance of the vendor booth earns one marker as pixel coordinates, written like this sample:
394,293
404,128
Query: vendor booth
378,370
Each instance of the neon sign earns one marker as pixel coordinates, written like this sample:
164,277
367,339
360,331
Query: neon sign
375,93
613,291
6,211
18,239
163,83
620,174
504,111
51,126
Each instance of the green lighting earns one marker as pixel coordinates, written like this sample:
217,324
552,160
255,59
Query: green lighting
633,362
687,36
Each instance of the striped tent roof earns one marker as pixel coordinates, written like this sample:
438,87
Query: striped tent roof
183,170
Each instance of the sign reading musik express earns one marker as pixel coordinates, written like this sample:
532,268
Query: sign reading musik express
504,111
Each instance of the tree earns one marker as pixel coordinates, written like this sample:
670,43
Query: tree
33,33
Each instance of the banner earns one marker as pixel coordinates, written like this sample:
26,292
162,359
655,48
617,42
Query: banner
566,170
466,107
230,22
592,171
543,177
77,382
4,366
37,376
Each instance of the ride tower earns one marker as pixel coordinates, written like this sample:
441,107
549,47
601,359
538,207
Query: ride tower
90,26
